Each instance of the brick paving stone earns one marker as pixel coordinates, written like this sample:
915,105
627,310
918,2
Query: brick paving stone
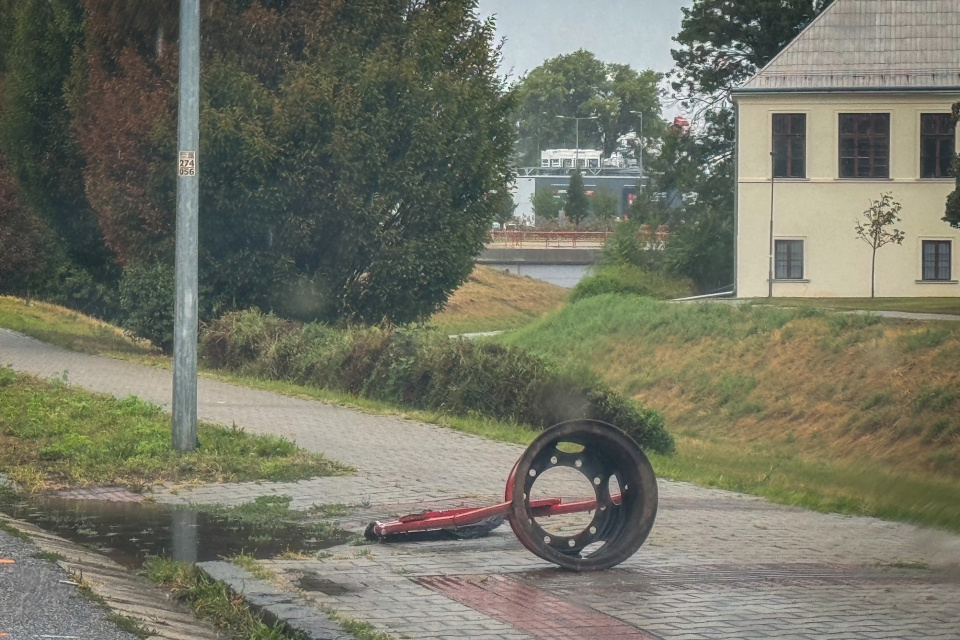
717,565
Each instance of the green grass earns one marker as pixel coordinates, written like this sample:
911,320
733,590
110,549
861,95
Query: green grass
49,556
53,435
272,517
950,306
68,329
130,625
13,531
212,600
830,486
359,629
832,412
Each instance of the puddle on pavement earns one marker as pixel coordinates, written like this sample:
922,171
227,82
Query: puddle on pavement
127,532
313,582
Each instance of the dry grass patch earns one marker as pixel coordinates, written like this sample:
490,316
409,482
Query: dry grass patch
915,305
69,329
492,300
836,386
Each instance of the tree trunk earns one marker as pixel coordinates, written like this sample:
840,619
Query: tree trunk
873,273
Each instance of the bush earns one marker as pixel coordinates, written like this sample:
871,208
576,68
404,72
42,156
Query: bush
628,279
146,303
424,369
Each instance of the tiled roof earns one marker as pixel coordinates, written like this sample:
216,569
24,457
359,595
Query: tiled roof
865,44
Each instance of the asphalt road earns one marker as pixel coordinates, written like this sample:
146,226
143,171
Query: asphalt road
37,601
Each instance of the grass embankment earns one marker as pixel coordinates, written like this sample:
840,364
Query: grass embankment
423,369
830,411
492,300
949,306
52,436
69,329
72,330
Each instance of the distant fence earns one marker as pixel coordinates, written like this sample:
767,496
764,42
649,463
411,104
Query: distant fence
570,239
548,239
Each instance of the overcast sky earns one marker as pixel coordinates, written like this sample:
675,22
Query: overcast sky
634,32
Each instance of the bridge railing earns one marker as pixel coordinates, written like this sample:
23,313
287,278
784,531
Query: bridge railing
548,239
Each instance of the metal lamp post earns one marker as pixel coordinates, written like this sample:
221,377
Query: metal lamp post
576,161
184,425
640,159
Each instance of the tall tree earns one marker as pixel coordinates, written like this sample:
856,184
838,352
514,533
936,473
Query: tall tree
952,216
546,205
39,41
350,152
25,241
720,45
580,85
577,206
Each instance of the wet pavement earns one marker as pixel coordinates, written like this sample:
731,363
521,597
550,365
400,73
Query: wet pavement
127,532
716,565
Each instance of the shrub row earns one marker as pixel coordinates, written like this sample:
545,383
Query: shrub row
423,369
629,279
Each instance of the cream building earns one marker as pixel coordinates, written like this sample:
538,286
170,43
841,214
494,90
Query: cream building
858,105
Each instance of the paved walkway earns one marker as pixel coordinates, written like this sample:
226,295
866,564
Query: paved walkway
717,565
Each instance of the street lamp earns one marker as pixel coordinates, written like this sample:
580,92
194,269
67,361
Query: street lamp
576,161
640,159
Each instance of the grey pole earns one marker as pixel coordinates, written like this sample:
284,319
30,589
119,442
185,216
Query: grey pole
773,176
576,154
188,195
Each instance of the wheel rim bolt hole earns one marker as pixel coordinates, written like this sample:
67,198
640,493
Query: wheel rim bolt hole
596,481
578,463
571,543
553,460
533,472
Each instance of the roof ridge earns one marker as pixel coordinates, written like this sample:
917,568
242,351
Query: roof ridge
901,42
797,37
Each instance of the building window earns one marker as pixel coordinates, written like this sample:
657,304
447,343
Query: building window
790,145
937,145
864,145
936,259
789,260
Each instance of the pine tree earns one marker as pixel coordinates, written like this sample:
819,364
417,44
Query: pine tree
577,207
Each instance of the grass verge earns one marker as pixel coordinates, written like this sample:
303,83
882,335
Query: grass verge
491,300
949,306
829,486
52,436
69,329
212,600
830,411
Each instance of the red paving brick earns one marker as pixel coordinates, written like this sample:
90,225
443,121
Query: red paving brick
531,610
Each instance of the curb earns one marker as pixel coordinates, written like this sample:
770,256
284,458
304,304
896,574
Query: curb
274,606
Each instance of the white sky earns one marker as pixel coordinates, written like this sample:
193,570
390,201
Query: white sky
634,32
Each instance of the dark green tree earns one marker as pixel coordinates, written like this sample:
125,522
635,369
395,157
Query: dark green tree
351,152
577,206
604,204
953,200
720,45
546,205
578,84
39,41
504,208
